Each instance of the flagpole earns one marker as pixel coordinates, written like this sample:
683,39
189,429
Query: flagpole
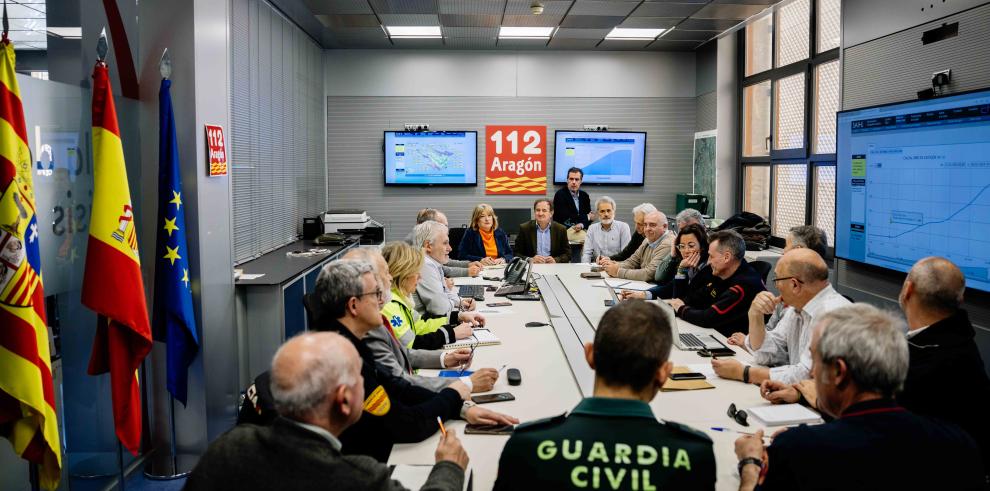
120,467
33,475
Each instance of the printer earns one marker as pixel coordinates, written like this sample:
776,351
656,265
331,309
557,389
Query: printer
356,223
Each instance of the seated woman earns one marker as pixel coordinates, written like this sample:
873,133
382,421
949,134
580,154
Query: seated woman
404,264
688,257
484,241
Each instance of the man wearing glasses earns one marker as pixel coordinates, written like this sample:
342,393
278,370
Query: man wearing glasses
801,276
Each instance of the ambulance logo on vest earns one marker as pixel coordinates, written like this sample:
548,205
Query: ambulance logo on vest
378,403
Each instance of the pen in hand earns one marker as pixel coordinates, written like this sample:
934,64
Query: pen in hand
442,429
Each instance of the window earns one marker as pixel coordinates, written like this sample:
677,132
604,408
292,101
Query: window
792,32
759,47
787,121
788,111
756,119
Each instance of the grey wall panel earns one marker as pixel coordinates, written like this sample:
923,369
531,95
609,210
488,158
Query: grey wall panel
894,68
355,160
707,112
727,121
706,62
865,20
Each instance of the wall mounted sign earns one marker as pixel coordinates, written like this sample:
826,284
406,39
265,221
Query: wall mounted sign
216,147
515,159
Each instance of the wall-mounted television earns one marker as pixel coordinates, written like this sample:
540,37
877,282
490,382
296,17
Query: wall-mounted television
913,180
606,157
431,158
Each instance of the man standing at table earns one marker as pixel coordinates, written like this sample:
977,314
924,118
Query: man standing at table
613,440
572,207
543,239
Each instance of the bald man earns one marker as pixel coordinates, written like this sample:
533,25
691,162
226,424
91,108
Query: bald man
946,378
801,276
642,265
318,389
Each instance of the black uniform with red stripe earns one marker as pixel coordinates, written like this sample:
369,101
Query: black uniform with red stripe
721,304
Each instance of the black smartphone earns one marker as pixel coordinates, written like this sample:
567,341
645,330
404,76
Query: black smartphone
490,288
687,376
488,430
609,302
492,278
499,304
708,353
500,397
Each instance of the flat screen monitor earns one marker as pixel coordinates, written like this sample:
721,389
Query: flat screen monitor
913,180
431,158
606,157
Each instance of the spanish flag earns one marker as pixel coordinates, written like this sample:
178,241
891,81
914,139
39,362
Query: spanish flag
27,398
112,284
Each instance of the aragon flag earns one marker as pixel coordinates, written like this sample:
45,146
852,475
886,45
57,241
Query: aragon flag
112,284
27,397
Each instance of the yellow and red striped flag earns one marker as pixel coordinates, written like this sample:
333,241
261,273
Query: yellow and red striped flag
27,398
112,284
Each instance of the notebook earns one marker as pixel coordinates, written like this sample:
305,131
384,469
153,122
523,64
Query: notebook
414,476
481,337
784,414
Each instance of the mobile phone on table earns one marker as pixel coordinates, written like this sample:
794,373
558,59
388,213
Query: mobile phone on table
486,398
609,302
687,376
499,304
488,429
490,288
708,353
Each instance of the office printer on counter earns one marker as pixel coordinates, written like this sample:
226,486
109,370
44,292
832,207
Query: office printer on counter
354,223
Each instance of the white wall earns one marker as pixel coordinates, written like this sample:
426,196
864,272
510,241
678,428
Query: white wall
405,73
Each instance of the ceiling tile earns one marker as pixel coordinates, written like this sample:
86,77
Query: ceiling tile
678,1
595,7
749,2
657,9
569,43
410,19
404,6
693,24
522,43
469,42
650,22
532,20
684,35
661,45
470,32
418,43
550,7
346,7
728,11
346,20
471,7
571,33
470,20
361,37
591,21
615,44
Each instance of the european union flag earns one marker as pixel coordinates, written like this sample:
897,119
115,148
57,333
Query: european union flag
173,321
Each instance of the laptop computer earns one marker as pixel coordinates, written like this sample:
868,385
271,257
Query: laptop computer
611,291
688,341
517,287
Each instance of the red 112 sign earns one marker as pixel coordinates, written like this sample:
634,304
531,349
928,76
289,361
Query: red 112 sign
216,147
516,160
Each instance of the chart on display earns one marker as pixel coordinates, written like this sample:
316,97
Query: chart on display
431,157
913,180
604,157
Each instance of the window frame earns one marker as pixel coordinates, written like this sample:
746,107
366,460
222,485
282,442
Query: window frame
805,154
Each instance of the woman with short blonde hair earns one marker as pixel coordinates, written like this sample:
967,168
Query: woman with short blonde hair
484,241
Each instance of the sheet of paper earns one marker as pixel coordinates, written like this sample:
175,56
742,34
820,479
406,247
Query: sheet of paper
784,414
702,368
489,311
621,284
415,476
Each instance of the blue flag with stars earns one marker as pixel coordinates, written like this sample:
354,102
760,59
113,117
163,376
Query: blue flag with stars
173,320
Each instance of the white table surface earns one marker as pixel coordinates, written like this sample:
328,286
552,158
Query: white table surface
548,387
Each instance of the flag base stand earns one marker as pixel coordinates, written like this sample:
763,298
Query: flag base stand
175,466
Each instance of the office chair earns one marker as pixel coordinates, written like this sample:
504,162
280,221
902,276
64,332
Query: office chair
455,234
763,268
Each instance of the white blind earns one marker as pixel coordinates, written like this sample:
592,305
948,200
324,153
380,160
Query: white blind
276,129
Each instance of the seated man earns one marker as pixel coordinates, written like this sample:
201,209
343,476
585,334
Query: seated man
639,217
454,268
860,361
801,237
606,237
944,358
719,296
317,388
401,361
614,437
642,265
543,239
433,297
802,279
397,412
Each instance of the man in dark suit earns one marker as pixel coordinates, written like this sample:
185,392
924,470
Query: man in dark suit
543,239
572,207
860,360
945,362
318,389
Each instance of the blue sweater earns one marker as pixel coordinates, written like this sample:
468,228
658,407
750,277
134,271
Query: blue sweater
472,249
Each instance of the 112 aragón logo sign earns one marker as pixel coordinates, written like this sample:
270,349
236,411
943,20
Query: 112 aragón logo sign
516,159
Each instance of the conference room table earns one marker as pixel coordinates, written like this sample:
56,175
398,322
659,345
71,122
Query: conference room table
550,387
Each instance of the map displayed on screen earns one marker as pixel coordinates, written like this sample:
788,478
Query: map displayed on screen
604,157
913,180
431,157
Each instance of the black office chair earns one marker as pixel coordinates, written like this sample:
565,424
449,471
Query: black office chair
763,268
455,234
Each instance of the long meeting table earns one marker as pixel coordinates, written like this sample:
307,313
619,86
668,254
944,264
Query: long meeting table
550,386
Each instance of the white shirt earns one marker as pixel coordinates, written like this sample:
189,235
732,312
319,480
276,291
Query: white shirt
601,242
787,348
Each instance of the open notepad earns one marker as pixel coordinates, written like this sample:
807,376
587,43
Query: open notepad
414,476
784,414
481,337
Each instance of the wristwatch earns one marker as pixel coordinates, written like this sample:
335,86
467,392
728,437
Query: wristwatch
746,374
749,460
464,408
